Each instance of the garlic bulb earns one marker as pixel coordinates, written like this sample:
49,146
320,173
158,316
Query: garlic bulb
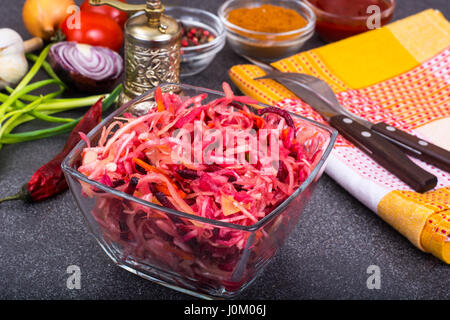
13,64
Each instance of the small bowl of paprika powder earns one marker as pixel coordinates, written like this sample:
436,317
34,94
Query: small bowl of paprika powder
267,30
339,19
202,37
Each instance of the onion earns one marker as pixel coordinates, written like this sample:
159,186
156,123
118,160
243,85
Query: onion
43,17
87,68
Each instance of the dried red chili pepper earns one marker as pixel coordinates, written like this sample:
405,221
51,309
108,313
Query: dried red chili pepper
49,179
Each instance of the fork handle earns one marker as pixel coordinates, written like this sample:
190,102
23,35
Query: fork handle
384,153
415,147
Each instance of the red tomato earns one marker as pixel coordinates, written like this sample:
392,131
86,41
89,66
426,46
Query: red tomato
95,29
119,16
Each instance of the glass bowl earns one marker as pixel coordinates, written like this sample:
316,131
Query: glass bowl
332,27
263,45
206,269
194,59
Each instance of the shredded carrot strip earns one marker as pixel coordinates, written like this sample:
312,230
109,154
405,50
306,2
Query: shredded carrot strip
162,188
159,100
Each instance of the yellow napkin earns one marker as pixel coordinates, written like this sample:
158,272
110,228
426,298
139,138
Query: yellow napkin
399,74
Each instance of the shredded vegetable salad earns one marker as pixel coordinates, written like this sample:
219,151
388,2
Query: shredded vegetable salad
141,148
135,155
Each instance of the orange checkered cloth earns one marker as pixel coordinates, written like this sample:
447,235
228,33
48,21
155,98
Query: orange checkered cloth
398,74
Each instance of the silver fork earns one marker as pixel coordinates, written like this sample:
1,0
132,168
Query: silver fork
317,92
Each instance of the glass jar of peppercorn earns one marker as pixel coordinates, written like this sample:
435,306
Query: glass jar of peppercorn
202,37
194,36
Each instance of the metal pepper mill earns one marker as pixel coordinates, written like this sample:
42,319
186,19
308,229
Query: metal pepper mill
152,47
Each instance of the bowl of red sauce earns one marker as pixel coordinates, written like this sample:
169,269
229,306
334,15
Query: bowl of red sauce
339,19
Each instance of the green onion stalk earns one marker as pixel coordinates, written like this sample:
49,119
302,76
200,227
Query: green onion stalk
8,138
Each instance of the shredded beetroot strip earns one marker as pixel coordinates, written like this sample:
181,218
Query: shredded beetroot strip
280,112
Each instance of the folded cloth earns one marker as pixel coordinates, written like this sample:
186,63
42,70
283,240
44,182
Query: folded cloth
399,74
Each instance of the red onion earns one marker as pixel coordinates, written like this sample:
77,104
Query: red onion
87,68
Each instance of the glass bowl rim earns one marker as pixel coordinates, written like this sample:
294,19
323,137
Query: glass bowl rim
305,31
67,169
322,13
217,42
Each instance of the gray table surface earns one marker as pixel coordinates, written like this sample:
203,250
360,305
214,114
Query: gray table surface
325,257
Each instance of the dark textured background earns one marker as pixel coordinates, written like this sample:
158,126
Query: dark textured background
326,256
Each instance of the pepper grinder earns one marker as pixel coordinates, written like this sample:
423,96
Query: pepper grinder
152,47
